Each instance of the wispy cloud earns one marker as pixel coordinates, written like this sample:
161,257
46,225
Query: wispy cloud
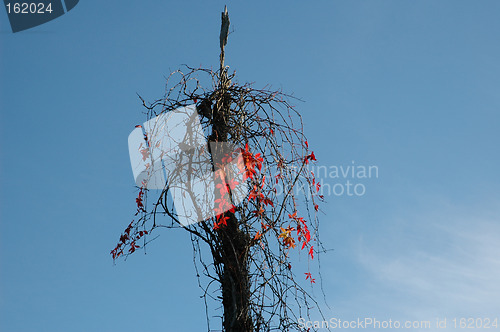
444,264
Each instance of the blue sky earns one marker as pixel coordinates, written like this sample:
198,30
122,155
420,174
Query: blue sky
411,87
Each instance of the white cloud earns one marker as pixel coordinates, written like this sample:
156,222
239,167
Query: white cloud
444,264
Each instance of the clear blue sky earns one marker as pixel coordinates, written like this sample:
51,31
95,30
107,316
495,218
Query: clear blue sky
412,87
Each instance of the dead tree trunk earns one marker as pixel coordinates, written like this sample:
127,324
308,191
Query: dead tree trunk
235,281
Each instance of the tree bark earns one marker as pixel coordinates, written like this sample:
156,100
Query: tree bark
235,242
235,281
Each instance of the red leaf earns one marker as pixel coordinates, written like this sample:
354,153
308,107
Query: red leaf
267,201
308,276
123,238
145,154
133,246
307,234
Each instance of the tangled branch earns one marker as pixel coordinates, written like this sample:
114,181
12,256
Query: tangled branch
277,218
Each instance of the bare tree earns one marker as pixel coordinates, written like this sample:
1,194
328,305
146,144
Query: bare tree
250,243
